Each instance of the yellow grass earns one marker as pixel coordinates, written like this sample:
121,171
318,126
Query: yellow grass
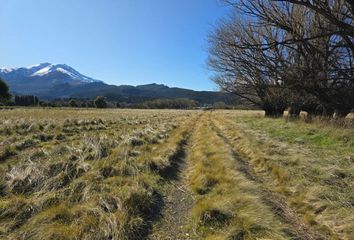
97,174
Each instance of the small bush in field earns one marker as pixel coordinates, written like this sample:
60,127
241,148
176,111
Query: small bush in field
100,102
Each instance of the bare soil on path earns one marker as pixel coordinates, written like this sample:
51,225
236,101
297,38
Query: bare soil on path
177,202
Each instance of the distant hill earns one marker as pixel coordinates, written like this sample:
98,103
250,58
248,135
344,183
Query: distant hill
49,81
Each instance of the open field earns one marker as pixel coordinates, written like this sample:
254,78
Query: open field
163,174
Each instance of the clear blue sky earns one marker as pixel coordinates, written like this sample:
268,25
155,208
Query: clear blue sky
117,41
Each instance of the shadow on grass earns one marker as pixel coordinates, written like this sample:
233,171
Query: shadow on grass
172,172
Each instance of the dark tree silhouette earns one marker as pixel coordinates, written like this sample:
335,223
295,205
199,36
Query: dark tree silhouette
307,46
4,92
100,102
73,103
245,68
27,100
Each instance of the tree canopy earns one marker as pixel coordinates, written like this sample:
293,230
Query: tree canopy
279,54
100,102
4,91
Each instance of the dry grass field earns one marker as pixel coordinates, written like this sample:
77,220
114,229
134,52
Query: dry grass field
166,174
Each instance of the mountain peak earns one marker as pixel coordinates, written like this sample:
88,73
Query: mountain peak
39,77
39,65
50,71
50,81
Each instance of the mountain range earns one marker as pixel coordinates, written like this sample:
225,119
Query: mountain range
52,81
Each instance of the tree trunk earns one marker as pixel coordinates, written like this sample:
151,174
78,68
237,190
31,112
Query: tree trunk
274,113
294,112
328,112
341,113
309,117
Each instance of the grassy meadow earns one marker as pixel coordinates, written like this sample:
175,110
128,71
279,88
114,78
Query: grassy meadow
167,174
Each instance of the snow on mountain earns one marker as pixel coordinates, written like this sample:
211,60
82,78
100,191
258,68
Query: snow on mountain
6,70
42,72
50,81
48,70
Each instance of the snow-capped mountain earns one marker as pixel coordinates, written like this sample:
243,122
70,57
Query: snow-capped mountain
41,77
48,81
45,69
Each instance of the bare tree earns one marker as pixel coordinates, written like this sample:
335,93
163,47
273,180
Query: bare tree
244,68
318,49
339,13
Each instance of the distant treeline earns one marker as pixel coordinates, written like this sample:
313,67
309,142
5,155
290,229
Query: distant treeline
26,100
101,102
180,103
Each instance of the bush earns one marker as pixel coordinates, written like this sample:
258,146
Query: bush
73,103
100,102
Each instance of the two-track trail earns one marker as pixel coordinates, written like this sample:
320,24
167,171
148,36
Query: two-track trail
211,192
297,228
177,202
177,198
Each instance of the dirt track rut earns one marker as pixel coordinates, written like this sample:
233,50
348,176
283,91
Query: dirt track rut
275,201
177,200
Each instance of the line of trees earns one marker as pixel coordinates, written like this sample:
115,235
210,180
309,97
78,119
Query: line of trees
179,103
27,100
101,102
280,54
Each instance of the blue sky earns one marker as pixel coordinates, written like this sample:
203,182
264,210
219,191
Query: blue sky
117,41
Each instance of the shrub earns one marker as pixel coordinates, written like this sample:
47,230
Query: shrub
73,103
100,102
